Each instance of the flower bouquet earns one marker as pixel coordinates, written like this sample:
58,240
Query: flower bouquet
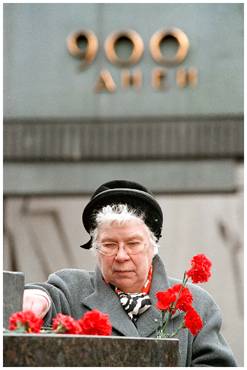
179,297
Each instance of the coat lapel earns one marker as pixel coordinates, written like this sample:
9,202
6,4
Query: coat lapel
105,300
149,321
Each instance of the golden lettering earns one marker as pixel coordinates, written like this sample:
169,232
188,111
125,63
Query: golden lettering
159,78
136,41
131,78
160,36
105,82
186,77
86,54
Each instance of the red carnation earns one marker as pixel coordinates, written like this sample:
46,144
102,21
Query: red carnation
184,297
25,321
176,293
95,323
200,269
165,299
65,324
193,321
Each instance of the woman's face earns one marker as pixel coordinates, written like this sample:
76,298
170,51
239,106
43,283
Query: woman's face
128,272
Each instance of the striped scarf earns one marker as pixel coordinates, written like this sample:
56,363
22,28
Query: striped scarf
136,303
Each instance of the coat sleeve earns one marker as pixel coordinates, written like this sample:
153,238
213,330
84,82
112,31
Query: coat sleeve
209,348
59,293
66,288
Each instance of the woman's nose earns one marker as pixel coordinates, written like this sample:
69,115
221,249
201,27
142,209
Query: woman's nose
121,253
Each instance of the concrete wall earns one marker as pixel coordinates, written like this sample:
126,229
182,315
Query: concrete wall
41,78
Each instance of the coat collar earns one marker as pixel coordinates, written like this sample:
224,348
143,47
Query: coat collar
104,299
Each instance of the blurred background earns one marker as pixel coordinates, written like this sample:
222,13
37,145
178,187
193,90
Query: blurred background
146,92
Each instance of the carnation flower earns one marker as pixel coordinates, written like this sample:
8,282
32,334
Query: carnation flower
200,269
95,323
193,321
177,294
183,296
25,321
165,299
65,324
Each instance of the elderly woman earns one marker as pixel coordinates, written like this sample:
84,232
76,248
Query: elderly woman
124,222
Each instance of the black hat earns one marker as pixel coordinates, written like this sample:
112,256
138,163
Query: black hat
125,192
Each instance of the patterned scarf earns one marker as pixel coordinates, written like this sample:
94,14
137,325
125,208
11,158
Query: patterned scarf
136,303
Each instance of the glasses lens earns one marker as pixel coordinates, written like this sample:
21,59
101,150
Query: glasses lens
108,249
130,248
135,247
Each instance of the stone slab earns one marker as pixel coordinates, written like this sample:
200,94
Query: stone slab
13,287
79,350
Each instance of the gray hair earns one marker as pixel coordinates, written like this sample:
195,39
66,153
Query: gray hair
120,213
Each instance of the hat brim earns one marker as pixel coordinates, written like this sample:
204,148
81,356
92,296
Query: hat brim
141,201
87,245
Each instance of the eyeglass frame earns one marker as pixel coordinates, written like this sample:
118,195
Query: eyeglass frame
117,249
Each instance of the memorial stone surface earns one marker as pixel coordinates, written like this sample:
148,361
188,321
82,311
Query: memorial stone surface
80,350
13,286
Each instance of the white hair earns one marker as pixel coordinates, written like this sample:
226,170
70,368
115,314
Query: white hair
120,213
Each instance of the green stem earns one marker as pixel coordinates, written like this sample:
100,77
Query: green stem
165,319
177,330
185,279
21,328
161,330
60,329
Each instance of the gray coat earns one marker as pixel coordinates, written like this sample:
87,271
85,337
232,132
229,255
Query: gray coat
74,292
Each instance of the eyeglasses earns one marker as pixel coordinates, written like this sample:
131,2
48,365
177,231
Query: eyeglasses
111,249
